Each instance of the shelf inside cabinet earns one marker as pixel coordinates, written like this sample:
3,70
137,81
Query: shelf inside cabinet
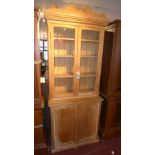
64,56
63,93
88,56
64,47
63,67
64,75
62,38
89,40
87,74
85,91
63,86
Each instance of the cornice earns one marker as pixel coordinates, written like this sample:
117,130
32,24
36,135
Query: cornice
77,14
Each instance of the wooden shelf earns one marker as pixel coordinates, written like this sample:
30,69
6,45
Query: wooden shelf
88,56
85,74
88,40
66,75
63,93
67,39
87,91
64,56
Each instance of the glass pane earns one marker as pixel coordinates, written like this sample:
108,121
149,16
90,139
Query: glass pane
62,32
63,47
88,65
46,56
63,86
64,41
45,44
87,84
63,66
41,48
41,43
90,35
89,48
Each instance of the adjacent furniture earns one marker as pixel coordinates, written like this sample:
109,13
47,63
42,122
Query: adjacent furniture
110,84
39,143
75,45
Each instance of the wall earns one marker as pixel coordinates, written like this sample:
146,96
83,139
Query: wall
111,8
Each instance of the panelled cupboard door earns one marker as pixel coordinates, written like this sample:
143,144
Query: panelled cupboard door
64,127
73,125
62,59
87,121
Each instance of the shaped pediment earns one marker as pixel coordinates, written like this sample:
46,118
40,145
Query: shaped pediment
76,13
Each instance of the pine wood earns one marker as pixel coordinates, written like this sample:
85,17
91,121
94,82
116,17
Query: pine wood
74,122
75,39
110,86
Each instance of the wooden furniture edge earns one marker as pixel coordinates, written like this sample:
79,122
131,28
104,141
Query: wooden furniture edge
75,146
76,13
53,103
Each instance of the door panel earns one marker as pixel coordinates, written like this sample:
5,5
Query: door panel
75,124
87,121
65,125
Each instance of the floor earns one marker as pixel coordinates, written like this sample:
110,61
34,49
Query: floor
104,147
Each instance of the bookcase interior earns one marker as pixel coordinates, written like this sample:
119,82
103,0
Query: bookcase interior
63,32
64,58
63,86
88,65
90,35
63,66
87,84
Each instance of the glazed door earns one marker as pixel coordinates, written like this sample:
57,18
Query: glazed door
62,60
87,115
89,59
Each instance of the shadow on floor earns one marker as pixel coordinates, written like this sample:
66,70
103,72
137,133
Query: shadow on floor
104,147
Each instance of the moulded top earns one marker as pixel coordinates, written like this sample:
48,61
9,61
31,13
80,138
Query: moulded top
77,14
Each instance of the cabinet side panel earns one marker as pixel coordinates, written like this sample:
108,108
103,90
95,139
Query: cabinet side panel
106,61
115,75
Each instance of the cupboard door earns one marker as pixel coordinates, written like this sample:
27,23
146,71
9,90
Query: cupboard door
89,49
62,58
64,130
87,121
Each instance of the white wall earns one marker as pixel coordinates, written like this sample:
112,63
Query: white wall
111,8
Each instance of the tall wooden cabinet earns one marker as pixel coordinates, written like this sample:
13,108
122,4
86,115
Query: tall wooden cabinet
40,147
75,45
110,84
